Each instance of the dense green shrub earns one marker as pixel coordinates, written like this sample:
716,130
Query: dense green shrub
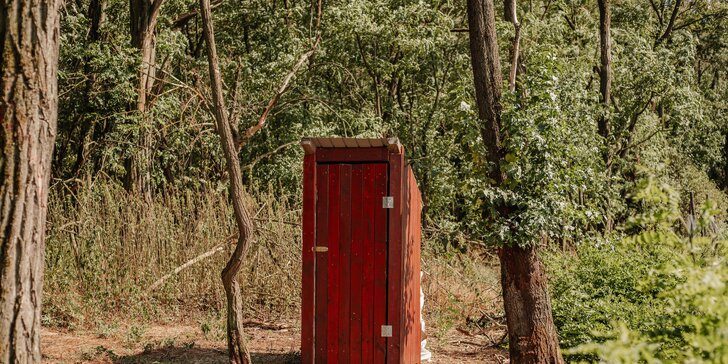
653,296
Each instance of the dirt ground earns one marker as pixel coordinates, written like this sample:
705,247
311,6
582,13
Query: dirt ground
188,344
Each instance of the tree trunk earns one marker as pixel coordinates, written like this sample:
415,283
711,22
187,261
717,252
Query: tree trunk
531,330
511,15
143,15
142,25
28,114
237,349
605,71
97,15
531,333
605,88
488,80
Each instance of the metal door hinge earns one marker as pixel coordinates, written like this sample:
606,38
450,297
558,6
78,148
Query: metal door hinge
321,249
387,202
386,330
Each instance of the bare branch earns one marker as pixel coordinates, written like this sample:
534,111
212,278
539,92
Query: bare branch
273,101
657,12
189,263
269,154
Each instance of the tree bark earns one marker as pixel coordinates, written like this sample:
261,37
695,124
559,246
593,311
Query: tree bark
143,15
605,71
29,32
97,16
142,25
532,335
237,349
511,15
531,332
488,80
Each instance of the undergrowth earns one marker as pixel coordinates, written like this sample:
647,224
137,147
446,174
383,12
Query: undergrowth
106,248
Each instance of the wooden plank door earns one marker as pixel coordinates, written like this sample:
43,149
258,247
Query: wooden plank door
351,263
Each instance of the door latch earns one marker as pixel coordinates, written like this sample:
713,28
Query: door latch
321,249
387,202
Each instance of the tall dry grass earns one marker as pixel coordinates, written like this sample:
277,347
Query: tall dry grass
107,247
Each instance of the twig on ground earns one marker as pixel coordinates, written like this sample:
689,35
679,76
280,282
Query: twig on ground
191,262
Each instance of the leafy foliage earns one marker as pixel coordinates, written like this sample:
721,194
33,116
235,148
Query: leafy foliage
654,296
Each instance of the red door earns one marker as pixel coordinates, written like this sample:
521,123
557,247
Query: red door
351,263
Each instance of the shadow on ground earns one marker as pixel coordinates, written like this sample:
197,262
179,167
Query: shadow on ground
179,355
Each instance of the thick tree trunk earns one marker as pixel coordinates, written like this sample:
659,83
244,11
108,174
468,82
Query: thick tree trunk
531,328
485,61
28,115
531,333
605,71
237,350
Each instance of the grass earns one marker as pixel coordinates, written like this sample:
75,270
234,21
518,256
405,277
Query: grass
106,247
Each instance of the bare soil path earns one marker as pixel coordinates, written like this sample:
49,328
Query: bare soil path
188,344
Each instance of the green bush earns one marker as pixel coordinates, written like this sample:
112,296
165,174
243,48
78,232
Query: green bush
654,296
606,284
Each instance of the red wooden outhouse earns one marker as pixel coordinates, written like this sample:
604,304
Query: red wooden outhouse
361,253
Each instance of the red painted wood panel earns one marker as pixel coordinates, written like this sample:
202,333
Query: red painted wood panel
380,262
345,277
395,287
358,280
411,329
308,258
368,242
348,155
321,274
369,277
333,262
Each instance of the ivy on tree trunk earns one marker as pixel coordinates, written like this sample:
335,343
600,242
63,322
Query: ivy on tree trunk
531,331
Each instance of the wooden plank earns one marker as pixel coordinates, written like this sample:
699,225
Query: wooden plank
406,273
358,280
380,262
333,260
338,142
416,263
368,242
308,258
395,286
326,142
345,248
411,329
350,142
321,261
363,143
377,142
350,155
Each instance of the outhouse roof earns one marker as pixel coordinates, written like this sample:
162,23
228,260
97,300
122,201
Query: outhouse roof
336,142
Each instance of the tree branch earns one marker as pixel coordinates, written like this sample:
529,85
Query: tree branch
657,12
269,154
671,23
273,101
184,18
